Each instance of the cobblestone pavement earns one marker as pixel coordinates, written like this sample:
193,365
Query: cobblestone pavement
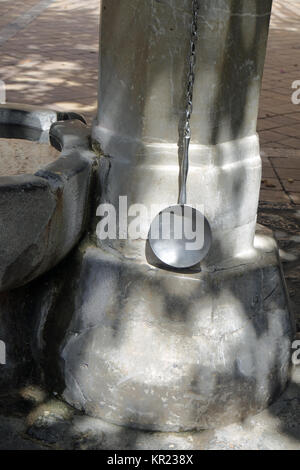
49,57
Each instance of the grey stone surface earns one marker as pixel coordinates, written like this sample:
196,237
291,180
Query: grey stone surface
32,117
27,116
117,337
181,351
276,428
149,348
143,74
142,80
16,327
43,216
13,437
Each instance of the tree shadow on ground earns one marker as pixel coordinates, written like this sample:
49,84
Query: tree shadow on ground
53,61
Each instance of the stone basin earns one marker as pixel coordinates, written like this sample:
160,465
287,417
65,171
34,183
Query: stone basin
42,214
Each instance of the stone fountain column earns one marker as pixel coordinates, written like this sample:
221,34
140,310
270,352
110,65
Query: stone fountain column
144,52
140,345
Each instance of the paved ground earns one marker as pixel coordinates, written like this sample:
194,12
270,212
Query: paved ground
49,57
279,117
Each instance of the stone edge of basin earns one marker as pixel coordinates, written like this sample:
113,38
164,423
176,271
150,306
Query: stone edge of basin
43,216
33,116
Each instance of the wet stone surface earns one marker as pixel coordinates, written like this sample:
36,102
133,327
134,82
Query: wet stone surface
24,157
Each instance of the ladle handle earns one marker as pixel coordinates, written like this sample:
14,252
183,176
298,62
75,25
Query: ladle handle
184,168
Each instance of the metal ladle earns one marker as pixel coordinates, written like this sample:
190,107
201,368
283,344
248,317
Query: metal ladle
170,235
180,236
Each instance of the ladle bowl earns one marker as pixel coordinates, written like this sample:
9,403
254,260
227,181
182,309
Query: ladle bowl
180,236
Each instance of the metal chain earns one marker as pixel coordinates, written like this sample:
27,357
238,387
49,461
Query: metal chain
189,104
191,75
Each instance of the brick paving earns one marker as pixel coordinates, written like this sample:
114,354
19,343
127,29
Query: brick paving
52,61
10,11
279,117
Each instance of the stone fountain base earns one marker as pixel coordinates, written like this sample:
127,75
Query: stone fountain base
157,350
33,421
43,215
